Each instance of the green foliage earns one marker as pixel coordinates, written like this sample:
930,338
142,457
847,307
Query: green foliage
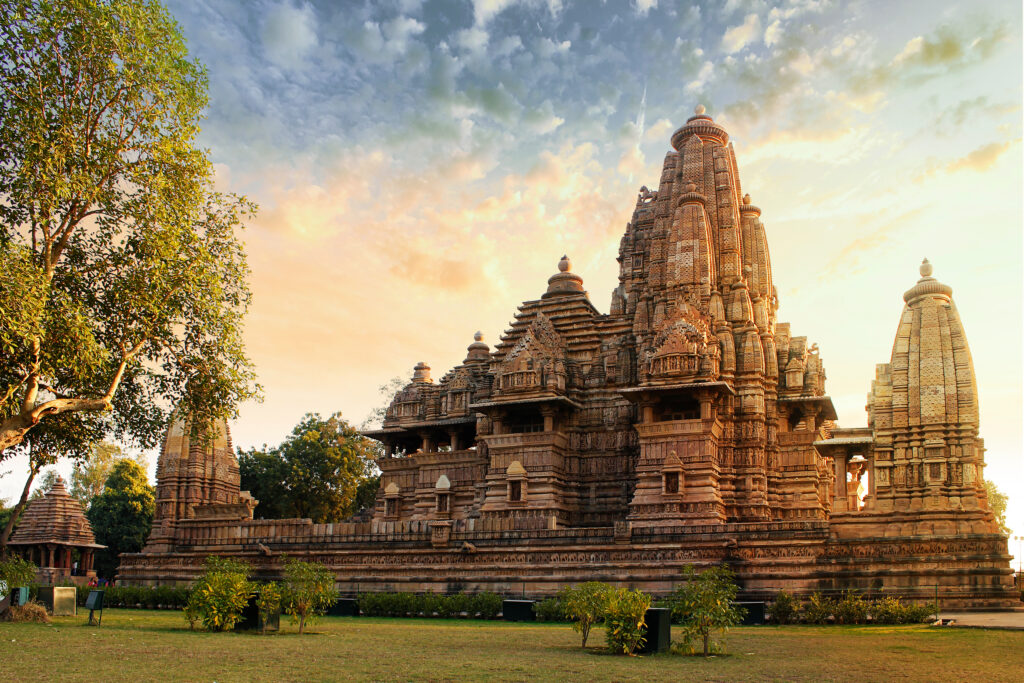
851,609
482,605
706,604
366,493
122,282
150,597
586,605
624,619
220,594
122,515
90,476
550,609
268,602
891,610
818,609
15,572
997,504
315,473
308,590
45,485
784,609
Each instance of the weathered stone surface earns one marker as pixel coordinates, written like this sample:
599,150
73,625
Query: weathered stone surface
686,426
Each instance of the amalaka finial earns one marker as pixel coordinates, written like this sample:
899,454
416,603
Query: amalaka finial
926,268
699,110
746,198
690,186
565,265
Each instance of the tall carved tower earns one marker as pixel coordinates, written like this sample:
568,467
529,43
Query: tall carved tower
729,402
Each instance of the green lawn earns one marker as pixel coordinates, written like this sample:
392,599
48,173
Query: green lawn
141,645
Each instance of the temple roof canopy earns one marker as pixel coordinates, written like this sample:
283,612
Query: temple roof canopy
55,519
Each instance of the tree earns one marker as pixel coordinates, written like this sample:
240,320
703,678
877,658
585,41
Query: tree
997,504
89,476
122,515
45,485
706,603
39,455
308,590
122,283
263,474
585,605
315,473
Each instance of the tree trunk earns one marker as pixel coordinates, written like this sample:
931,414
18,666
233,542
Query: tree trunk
586,632
32,472
707,643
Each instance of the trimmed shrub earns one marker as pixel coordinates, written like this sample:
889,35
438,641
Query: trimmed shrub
624,620
549,609
487,605
852,609
818,609
784,609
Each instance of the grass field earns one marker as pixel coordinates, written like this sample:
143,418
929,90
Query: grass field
141,645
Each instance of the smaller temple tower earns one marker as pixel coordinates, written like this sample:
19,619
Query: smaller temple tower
197,477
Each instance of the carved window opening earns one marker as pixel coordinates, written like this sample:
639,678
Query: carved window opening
391,507
671,482
935,471
442,502
525,422
680,409
515,491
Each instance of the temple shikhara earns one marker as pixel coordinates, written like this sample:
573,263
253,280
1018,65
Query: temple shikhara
686,425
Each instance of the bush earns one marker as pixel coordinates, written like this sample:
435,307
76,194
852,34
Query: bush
549,609
268,602
308,590
14,573
624,620
818,609
487,605
586,605
705,604
852,609
220,594
892,610
784,609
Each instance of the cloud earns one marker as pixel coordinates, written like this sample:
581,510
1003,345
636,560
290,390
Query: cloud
289,34
979,159
645,6
738,37
772,33
485,10
702,77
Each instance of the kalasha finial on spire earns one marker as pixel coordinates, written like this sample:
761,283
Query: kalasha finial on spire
479,336
926,268
699,110
690,186
565,265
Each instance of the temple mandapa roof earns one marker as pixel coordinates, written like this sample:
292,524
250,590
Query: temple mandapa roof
55,518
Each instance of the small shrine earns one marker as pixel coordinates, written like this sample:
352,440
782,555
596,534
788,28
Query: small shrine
55,535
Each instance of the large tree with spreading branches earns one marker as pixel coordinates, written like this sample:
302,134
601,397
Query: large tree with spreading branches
123,284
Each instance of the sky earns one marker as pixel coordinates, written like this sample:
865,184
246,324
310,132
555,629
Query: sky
421,165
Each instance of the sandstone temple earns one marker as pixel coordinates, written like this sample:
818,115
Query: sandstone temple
685,426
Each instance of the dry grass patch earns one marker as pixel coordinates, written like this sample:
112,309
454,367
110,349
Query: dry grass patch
140,645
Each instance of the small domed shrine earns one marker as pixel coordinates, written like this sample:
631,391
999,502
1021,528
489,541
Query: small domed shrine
55,535
688,425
